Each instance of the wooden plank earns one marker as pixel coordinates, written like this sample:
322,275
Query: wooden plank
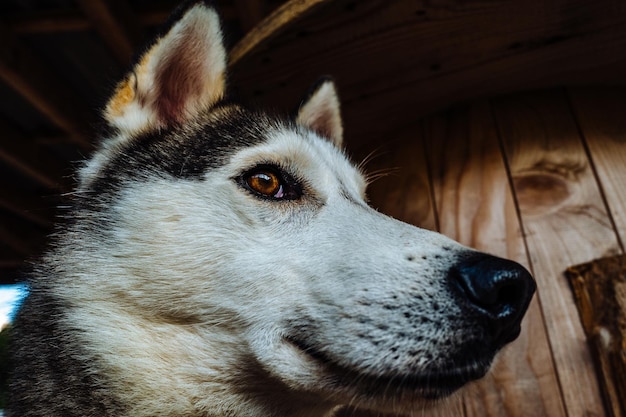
116,25
20,69
600,290
565,222
475,206
601,114
400,185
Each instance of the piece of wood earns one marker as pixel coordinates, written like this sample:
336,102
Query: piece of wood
601,114
600,292
565,222
475,206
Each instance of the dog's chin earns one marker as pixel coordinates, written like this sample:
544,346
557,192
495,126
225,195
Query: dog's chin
388,390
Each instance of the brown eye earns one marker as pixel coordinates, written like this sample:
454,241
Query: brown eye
271,182
266,183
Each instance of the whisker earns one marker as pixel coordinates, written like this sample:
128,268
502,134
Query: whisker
375,153
370,177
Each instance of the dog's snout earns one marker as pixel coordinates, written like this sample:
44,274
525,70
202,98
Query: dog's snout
499,289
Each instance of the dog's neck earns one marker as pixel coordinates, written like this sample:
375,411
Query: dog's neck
165,368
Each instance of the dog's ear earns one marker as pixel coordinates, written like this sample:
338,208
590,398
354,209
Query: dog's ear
180,74
320,111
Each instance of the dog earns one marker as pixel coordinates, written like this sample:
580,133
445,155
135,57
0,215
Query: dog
222,261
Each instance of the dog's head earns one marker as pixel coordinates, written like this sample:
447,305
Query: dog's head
236,225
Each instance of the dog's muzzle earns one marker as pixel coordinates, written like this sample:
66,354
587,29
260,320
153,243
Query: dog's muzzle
498,290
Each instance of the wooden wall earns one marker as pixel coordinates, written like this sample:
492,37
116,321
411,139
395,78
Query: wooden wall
538,177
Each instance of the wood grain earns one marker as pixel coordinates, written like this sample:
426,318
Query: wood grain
475,206
565,222
601,114
600,290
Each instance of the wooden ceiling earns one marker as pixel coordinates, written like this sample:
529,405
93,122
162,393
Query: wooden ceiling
58,61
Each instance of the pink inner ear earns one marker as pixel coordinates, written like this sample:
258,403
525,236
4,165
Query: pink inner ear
181,77
322,126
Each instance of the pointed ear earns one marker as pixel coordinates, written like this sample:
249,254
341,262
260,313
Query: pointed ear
181,73
321,113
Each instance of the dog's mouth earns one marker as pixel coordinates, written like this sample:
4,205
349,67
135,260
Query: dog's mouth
427,385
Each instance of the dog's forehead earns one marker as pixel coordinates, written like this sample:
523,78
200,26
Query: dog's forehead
186,151
304,154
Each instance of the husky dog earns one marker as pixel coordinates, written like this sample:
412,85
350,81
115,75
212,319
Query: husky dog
220,261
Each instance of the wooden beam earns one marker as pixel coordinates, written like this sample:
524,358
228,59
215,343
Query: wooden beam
116,25
250,13
27,75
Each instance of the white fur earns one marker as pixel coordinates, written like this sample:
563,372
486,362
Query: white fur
188,306
199,297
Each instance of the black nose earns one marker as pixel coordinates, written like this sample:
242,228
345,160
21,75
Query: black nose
498,289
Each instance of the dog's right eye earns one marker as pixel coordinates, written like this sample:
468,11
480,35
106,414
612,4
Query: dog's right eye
266,183
271,183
